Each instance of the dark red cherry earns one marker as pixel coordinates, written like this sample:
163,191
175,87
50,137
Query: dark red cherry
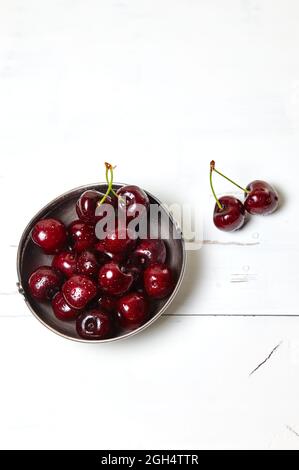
82,236
87,264
158,281
44,283
66,263
78,291
61,309
50,235
232,215
94,324
132,310
117,241
262,199
132,201
149,252
106,257
107,303
88,209
113,281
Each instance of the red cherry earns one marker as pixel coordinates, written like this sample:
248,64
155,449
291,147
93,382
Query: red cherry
44,283
87,264
66,263
132,310
82,235
94,324
158,281
106,257
88,209
107,303
262,198
117,241
129,198
61,309
50,235
231,216
78,291
149,252
113,281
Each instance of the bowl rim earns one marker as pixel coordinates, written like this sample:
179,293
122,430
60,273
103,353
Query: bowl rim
129,334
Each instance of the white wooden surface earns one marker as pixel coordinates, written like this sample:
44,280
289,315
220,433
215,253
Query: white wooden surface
159,88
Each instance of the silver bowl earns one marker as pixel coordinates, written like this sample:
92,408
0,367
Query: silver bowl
30,257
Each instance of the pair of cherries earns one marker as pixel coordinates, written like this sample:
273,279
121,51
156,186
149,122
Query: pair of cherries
230,213
104,285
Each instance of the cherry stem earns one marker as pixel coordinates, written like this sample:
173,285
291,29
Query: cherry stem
109,168
111,175
212,166
228,179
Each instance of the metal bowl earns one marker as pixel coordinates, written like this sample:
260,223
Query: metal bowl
30,257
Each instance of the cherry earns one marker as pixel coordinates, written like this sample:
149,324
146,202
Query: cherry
78,291
132,310
149,252
87,207
261,198
105,257
231,215
158,281
94,324
44,283
87,264
113,281
118,240
50,235
229,212
129,198
66,263
82,235
61,309
107,303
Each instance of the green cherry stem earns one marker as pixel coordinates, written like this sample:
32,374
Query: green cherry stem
108,182
212,166
109,168
228,179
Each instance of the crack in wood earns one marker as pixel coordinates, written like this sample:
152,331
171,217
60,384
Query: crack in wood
9,293
289,428
266,360
216,242
238,278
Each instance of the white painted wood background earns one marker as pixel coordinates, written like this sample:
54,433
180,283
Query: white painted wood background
159,88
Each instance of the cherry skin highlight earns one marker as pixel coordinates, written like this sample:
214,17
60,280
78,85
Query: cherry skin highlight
62,310
94,324
158,281
87,264
129,198
87,206
117,241
231,216
113,281
262,198
149,252
44,283
132,310
78,291
82,236
50,235
66,263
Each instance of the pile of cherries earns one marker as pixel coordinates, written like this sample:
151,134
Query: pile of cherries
230,213
106,286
